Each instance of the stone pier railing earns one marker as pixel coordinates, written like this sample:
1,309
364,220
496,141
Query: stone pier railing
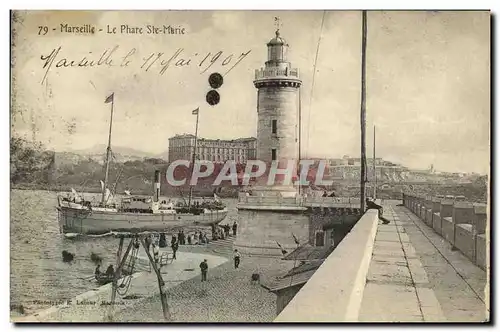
298,201
461,223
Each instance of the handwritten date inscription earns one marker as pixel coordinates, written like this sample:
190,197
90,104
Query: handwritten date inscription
154,61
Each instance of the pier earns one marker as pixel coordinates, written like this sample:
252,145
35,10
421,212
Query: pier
406,271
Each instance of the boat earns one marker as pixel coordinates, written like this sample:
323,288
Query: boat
103,279
134,213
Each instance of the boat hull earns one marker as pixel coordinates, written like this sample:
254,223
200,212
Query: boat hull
84,221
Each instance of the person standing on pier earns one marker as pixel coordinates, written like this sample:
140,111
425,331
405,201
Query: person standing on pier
163,240
175,247
204,270
215,233
237,258
110,272
235,227
179,237
97,271
182,239
148,242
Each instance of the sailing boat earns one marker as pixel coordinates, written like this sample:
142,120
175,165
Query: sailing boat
132,213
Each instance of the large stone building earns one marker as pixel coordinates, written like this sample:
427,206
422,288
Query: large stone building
181,147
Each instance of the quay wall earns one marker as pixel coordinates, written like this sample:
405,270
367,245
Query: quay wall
269,223
460,223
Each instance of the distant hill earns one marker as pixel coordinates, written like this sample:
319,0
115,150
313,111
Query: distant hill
98,153
100,149
163,155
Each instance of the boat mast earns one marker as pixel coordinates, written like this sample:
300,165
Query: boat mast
363,113
110,99
197,112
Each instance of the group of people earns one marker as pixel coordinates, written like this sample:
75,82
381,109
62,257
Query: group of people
219,233
181,237
198,237
110,271
325,194
223,231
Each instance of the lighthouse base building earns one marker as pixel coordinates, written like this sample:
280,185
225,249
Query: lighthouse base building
271,218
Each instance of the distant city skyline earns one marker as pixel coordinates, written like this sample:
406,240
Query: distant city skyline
164,155
428,84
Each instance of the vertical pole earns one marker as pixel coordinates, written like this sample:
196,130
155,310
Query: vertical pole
300,132
108,151
194,158
374,167
363,113
115,279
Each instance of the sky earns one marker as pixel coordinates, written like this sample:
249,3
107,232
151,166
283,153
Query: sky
427,76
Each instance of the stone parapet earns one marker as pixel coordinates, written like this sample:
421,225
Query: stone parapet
465,240
448,229
480,216
436,223
299,201
436,205
446,208
429,217
459,222
481,251
463,213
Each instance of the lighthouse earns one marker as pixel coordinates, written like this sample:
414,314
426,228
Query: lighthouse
278,86
271,220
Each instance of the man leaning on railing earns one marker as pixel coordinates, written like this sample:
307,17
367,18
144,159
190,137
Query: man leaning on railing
370,204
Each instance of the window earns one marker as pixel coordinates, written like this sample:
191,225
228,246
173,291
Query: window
273,154
274,124
320,238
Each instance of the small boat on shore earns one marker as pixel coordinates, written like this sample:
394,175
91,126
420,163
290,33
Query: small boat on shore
103,279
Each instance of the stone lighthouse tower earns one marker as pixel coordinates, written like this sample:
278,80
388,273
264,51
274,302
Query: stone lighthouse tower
278,115
271,217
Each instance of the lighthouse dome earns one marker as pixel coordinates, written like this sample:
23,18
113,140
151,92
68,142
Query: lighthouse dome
278,40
